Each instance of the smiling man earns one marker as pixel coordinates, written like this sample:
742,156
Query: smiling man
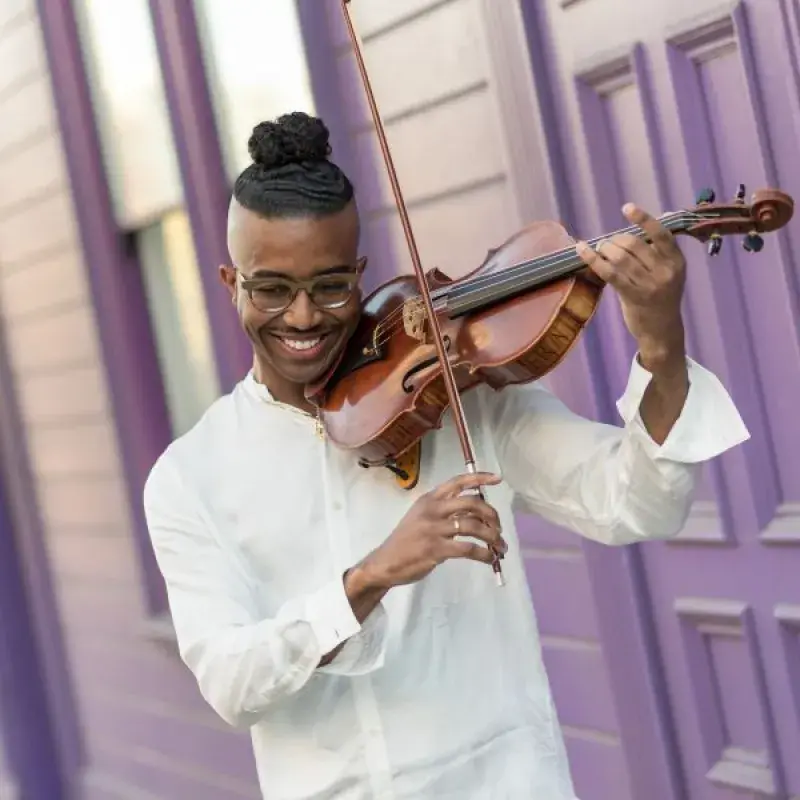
348,623
296,337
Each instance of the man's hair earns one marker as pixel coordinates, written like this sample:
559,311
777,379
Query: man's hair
291,175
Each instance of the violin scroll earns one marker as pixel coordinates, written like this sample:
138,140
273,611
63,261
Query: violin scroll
709,221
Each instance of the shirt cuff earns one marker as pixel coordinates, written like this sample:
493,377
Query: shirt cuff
365,651
331,616
709,423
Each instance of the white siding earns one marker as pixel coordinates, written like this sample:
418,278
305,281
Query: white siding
429,68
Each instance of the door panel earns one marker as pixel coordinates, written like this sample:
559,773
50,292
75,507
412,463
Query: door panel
657,101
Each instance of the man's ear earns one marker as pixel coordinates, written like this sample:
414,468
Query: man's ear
227,276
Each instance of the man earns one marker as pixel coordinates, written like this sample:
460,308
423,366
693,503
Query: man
346,621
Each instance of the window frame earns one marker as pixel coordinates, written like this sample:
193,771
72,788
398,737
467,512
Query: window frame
129,358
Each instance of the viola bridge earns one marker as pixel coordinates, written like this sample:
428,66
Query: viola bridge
414,319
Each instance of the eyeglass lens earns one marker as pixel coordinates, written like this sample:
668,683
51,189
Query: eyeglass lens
327,291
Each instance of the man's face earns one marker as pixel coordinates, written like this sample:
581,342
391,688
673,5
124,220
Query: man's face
299,344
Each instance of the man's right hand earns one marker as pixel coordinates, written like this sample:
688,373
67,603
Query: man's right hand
426,536
429,534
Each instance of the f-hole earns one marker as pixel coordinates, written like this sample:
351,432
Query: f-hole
407,387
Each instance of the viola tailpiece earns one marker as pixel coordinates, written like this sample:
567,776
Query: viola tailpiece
512,320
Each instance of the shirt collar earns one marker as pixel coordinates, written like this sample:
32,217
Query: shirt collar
253,387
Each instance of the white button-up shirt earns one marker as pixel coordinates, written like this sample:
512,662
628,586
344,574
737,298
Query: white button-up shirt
442,692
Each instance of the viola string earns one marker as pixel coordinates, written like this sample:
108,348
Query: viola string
543,267
532,270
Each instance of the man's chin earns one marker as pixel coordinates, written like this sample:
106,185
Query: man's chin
306,376
305,373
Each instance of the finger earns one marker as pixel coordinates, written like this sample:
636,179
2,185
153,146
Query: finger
663,241
468,550
472,527
628,270
597,262
465,505
638,249
461,483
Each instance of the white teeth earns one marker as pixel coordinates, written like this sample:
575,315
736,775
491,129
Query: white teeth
306,344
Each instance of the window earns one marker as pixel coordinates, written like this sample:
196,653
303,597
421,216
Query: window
131,108
178,314
256,67
142,169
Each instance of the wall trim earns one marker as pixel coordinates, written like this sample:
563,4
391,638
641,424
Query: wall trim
331,86
137,401
38,715
521,59
202,165
520,71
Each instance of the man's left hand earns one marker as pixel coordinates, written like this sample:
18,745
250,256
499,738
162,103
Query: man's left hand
649,277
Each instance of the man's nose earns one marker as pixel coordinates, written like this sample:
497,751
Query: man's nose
302,314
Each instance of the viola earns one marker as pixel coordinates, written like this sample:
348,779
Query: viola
510,321
424,339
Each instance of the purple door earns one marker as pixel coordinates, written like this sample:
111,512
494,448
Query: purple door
657,100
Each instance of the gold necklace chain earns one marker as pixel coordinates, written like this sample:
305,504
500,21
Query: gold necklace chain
319,429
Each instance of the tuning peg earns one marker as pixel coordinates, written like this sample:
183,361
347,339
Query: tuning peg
705,196
714,244
753,243
740,193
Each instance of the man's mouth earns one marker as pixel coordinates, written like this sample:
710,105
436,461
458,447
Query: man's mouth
308,348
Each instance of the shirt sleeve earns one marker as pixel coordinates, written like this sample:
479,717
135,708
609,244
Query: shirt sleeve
243,662
612,484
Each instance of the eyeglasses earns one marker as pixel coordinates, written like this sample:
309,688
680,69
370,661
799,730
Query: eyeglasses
328,292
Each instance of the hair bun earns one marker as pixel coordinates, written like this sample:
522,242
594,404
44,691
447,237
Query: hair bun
291,139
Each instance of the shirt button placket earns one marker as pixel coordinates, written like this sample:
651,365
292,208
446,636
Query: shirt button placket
377,754
340,527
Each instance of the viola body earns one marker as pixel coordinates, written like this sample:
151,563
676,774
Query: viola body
388,390
510,321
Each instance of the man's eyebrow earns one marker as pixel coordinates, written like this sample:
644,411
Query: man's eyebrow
268,273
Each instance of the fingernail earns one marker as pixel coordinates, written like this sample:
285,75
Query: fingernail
628,208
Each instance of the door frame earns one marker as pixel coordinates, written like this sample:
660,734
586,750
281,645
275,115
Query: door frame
532,120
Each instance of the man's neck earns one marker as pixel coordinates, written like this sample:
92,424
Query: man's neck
292,394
